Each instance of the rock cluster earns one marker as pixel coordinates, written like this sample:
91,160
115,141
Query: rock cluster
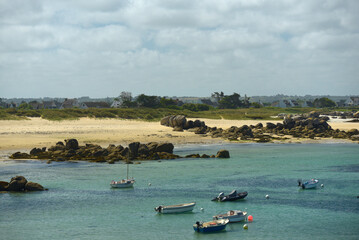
309,125
343,115
20,184
71,150
180,123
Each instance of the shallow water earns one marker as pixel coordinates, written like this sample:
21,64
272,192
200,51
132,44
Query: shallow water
81,205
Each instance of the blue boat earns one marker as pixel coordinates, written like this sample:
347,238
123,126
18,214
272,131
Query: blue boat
212,226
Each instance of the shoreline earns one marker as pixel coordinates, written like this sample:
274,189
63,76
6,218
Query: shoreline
23,135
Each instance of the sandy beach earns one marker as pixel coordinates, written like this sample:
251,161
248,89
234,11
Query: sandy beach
37,132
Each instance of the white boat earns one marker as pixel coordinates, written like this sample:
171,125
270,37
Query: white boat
308,184
232,216
179,208
124,183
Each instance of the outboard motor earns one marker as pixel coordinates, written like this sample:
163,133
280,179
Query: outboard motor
299,182
159,209
198,225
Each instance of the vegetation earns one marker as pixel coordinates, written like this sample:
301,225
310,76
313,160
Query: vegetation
324,103
153,108
152,114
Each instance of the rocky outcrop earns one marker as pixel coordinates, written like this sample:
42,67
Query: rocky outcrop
72,144
222,154
32,186
311,125
179,122
174,121
20,184
17,184
3,186
95,153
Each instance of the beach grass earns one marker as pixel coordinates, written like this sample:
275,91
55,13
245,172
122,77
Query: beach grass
155,114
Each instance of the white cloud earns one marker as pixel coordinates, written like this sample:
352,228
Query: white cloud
254,47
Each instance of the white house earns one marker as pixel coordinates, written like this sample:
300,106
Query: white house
352,101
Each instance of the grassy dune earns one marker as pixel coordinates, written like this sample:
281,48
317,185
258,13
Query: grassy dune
151,114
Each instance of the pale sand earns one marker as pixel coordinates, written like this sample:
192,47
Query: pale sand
26,134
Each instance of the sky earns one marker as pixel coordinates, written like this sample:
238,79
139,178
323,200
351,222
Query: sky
98,48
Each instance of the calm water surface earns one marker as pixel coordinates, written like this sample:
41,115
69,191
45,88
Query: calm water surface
81,205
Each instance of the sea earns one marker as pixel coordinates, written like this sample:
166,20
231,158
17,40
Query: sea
80,203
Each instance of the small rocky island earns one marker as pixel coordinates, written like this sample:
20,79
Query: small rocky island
20,184
71,150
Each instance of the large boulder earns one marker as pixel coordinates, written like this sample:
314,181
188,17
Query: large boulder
152,146
72,144
223,154
177,121
165,121
3,186
17,183
133,149
353,131
174,121
20,155
32,186
35,151
313,114
189,124
271,125
143,150
165,147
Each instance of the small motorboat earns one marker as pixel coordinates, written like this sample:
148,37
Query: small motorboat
308,184
232,216
179,208
212,226
233,196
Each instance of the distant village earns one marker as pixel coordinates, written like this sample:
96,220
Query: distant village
280,101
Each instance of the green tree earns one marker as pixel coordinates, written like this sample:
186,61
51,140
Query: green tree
148,101
164,102
25,105
195,107
323,102
230,101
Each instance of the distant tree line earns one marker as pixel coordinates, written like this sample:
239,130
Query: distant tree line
147,101
220,100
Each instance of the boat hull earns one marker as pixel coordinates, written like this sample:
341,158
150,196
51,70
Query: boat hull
210,227
229,198
121,184
232,216
310,185
181,208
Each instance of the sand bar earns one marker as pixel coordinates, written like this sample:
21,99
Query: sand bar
37,132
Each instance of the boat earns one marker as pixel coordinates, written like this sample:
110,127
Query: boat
179,208
308,184
232,216
124,183
212,226
233,196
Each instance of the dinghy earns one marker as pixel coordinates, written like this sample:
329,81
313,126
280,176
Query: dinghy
179,208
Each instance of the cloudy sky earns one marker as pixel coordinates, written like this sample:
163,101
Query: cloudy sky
99,48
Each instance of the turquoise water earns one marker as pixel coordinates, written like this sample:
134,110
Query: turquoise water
81,205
